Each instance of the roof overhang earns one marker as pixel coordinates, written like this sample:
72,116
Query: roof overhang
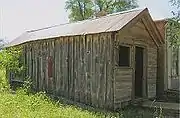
110,23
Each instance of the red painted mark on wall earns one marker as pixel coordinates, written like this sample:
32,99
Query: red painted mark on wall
50,68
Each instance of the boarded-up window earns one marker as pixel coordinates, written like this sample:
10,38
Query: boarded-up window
50,66
124,56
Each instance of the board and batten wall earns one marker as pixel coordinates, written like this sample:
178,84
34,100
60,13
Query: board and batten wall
83,68
125,76
79,68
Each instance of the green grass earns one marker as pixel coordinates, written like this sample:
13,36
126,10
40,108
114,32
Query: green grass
21,105
27,105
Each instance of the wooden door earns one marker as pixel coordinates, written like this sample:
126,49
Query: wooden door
139,61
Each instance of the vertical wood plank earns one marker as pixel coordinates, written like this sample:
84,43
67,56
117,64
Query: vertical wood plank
109,68
56,67
30,61
73,76
41,66
27,55
48,78
80,78
34,66
61,66
89,68
76,68
53,67
98,69
28,58
85,69
100,78
66,68
82,70
93,82
70,66
112,66
46,66
38,67
103,69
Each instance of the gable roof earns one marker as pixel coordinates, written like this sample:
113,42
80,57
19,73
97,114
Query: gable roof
161,25
109,23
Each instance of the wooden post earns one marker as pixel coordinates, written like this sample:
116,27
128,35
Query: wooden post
160,71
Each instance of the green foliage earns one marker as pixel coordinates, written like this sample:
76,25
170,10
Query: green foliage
79,9
23,105
173,32
175,3
3,81
27,86
112,6
85,9
11,61
173,29
122,5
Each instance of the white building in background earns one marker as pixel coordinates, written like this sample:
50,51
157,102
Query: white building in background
172,59
173,64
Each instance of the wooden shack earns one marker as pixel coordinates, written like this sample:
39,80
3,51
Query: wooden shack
105,62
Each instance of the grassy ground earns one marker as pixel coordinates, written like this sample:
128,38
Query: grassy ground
23,105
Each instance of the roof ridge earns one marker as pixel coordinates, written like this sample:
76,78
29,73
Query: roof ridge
113,14
126,11
34,30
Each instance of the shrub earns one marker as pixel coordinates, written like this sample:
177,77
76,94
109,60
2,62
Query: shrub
10,62
4,86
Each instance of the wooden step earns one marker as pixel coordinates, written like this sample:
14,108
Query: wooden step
167,108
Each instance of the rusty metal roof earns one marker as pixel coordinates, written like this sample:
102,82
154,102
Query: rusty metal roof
109,23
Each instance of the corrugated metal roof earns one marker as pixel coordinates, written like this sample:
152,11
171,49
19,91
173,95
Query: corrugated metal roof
109,23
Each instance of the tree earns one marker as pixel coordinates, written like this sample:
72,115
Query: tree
85,9
173,32
121,5
79,9
175,3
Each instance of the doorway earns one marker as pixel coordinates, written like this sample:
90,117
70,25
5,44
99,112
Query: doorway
139,61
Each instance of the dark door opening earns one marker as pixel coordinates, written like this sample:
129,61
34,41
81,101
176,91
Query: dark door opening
139,72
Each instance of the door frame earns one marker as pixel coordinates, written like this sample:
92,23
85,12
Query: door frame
145,61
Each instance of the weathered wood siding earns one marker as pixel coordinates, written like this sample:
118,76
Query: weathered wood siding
123,86
124,77
152,71
82,68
